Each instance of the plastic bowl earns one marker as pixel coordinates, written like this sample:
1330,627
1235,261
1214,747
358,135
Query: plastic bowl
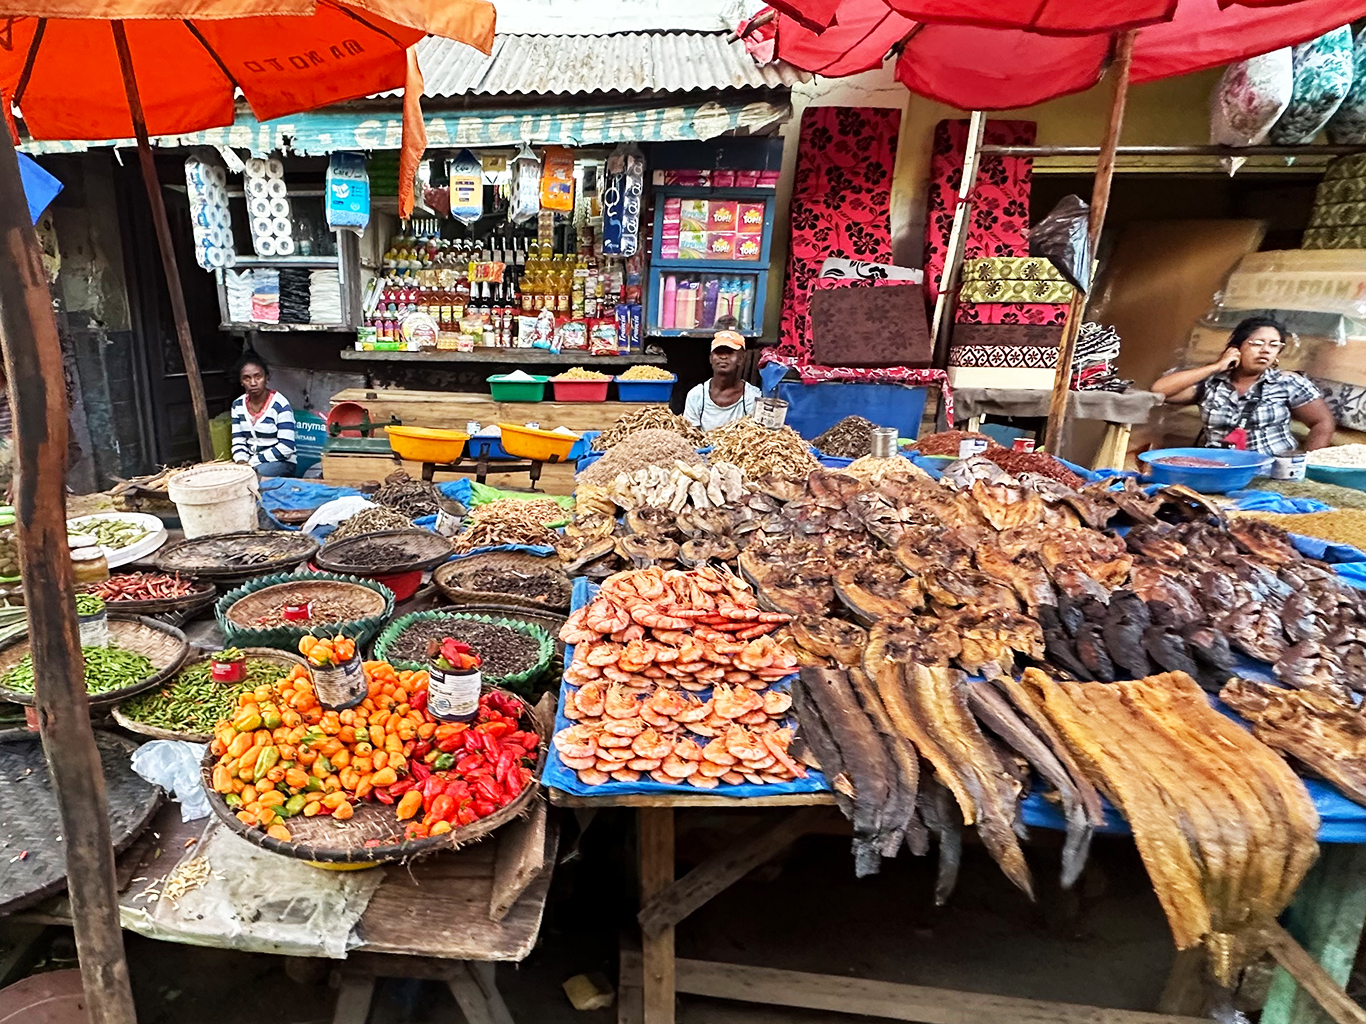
485,446
505,390
645,390
1344,476
426,444
541,445
580,390
1237,469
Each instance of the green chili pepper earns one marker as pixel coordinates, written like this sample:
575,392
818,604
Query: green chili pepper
294,805
106,669
266,760
443,762
88,604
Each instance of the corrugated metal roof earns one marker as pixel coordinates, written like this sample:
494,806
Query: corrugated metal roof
626,62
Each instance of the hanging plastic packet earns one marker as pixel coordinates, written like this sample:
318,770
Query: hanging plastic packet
1347,127
1323,77
348,192
1251,95
557,180
1063,237
467,187
623,187
525,202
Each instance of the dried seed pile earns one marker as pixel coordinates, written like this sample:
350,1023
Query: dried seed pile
1340,455
371,520
505,651
537,586
759,451
850,438
322,610
413,498
579,373
1341,525
646,372
946,442
1329,494
1034,462
644,448
650,417
510,521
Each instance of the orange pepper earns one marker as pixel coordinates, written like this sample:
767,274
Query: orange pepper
344,812
426,730
264,785
362,764
439,828
240,745
397,763
379,718
379,759
364,787
307,757
393,745
297,778
272,799
385,777
312,810
288,752
334,800
247,818
377,735
291,718
340,759
349,778
307,643
409,804
347,734
279,832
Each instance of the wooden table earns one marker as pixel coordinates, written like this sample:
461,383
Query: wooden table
1333,900
447,917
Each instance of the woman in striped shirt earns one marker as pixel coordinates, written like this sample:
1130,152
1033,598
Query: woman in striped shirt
262,422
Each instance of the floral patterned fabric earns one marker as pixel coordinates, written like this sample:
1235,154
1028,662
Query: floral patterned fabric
1347,127
1010,313
1323,77
841,203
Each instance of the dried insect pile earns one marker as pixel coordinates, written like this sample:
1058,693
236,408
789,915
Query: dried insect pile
413,498
371,520
510,521
850,438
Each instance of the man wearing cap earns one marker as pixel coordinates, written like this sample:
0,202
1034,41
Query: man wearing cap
725,397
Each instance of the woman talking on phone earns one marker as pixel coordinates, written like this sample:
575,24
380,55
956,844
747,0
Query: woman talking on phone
1245,400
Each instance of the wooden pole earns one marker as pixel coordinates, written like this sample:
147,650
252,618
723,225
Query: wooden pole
165,244
33,363
1100,200
941,327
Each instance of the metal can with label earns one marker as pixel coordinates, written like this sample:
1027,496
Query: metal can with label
1288,467
970,446
453,696
1023,444
342,686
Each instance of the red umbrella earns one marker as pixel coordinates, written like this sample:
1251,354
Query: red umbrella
976,67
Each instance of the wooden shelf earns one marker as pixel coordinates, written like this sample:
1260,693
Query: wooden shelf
316,328
451,410
530,356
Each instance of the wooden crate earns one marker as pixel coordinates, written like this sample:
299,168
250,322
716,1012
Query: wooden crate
451,410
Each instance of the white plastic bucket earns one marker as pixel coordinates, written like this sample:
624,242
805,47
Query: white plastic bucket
215,498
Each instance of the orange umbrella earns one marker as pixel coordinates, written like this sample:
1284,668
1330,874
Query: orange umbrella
90,69
121,69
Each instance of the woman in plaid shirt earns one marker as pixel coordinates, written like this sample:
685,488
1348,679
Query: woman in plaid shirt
1245,401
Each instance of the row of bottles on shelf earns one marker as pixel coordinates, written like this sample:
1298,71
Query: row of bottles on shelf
698,301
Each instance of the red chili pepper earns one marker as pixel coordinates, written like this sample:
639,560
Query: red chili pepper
383,795
443,807
409,747
421,773
402,786
490,747
530,740
469,762
418,701
483,808
450,744
465,816
421,748
505,762
484,789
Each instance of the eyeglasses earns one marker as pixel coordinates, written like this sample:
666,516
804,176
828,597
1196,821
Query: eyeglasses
1270,346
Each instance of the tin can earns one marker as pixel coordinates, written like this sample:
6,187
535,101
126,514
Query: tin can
1022,444
770,412
970,446
228,671
94,629
297,612
340,687
1288,467
884,442
453,696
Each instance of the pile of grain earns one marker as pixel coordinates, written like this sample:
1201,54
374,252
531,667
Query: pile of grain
1329,494
1340,526
641,449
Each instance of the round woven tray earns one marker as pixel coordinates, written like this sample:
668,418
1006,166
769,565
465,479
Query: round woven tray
544,657
30,822
452,576
328,841
201,597
237,609
422,549
286,660
162,644
229,555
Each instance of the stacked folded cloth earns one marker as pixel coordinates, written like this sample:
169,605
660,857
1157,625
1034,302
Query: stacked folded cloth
1093,360
294,298
325,305
265,296
238,287
1030,279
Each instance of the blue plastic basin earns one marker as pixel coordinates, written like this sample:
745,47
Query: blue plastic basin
645,390
1237,469
1343,476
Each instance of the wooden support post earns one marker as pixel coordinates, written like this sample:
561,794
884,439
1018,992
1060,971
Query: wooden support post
1100,200
1327,917
657,874
941,327
759,845
33,363
166,245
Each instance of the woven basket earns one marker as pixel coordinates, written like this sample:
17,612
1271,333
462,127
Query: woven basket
201,597
423,550
509,682
286,660
327,841
236,609
163,645
33,825
451,576
220,556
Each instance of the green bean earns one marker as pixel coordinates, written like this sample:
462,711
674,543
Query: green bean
193,702
88,604
111,533
106,669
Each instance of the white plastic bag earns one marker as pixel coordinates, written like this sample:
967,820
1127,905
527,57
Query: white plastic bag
336,511
525,204
174,766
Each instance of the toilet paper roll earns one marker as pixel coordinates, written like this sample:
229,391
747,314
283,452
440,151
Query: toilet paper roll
279,208
215,216
256,167
257,187
275,167
259,206
276,188
281,226
214,236
262,227
218,258
284,246
218,176
265,246
200,215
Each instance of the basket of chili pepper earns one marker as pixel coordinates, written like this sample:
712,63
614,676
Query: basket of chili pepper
380,782
152,593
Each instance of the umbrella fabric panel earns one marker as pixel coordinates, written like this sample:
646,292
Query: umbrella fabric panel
1051,17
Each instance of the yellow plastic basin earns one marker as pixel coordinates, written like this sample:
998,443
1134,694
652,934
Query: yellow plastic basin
427,444
530,443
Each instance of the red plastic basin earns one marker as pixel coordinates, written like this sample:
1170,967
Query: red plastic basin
580,390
